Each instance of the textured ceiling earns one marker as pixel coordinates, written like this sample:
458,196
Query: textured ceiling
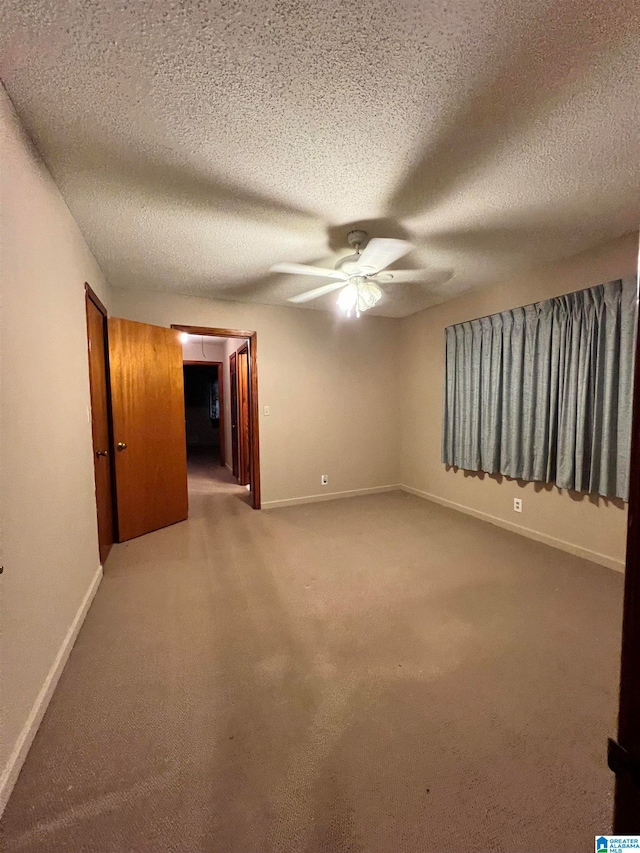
198,143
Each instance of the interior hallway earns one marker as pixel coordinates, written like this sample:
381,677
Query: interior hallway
371,674
207,475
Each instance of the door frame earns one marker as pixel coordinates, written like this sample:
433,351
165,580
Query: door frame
624,756
220,366
243,464
91,296
254,409
233,411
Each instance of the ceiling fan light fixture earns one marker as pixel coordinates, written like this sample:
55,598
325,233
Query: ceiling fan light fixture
354,273
349,264
360,294
347,298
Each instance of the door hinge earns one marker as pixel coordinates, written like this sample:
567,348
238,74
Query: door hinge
620,760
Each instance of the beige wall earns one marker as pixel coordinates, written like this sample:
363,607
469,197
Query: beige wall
331,386
47,511
592,527
201,348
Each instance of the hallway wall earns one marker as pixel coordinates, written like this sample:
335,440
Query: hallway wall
202,348
47,511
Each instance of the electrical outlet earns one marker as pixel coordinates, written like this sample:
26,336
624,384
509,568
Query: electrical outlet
266,410
324,479
517,504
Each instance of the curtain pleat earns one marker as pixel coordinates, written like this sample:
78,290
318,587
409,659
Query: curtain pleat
544,392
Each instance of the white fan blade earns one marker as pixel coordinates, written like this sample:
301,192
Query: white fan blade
405,275
319,291
380,252
303,269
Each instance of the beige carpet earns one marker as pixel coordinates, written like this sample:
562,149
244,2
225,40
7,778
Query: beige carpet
377,675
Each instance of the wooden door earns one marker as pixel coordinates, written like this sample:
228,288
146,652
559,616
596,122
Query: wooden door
244,444
233,374
98,387
149,438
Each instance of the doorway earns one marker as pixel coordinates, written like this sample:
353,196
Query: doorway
239,415
203,408
100,419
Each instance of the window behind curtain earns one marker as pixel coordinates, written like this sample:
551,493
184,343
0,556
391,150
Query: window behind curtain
544,392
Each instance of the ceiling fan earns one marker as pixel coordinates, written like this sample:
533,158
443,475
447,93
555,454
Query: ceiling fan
357,275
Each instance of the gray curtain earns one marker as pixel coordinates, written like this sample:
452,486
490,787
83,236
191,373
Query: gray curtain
544,392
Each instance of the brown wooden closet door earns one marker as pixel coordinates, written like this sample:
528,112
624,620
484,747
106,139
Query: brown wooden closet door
244,475
150,452
233,375
96,322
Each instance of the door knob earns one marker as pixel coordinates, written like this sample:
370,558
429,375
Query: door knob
122,445
102,452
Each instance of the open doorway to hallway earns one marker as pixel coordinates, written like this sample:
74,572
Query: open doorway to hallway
221,408
203,407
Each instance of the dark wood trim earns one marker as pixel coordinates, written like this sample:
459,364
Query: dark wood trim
212,333
626,820
220,367
92,296
245,466
233,411
223,440
254,419
254,414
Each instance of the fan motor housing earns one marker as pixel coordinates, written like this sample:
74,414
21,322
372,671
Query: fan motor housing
349,263
356,238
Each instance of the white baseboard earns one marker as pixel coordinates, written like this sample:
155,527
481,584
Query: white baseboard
569,547
329,496
16,759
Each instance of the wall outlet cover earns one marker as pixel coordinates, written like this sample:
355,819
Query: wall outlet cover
324,479
517,504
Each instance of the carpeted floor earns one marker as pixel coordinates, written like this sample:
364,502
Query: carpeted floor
372,675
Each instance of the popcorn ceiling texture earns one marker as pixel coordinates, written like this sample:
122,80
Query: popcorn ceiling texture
198,143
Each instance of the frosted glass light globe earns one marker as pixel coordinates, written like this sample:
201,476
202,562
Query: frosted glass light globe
360,294
348,297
